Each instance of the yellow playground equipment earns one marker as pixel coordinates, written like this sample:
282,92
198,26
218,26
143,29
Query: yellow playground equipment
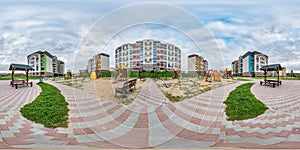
69,74
93,76
227,74
121,66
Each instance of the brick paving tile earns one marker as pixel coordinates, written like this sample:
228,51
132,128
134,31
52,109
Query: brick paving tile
131,123
17,141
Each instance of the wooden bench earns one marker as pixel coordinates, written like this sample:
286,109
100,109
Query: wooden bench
272,82
17,83
126,87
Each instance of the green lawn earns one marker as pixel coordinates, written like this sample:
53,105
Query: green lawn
49,108
241,104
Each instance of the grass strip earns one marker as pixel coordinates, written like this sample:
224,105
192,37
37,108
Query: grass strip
49,108
241,104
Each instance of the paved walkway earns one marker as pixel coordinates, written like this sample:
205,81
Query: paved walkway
151,121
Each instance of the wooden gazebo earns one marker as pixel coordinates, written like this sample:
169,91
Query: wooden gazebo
273,67
19,67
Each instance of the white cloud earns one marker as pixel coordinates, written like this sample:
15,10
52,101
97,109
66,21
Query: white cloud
238,26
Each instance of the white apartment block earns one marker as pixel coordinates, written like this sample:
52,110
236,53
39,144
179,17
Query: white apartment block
45,64
197,64
250,63
148,54
41,62
99,62
60,68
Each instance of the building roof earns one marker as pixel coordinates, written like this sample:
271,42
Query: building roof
193,55
40,52
272,67
254,52
20,67
236,61
104,54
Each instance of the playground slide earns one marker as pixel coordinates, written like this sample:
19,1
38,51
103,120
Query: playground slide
117,78
165,83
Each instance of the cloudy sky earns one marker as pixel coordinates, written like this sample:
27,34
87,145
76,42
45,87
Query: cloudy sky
219,30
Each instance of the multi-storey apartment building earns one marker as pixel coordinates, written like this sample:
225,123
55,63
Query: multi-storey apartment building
197,64
89,65
45,64
54,65
60,68
234,66
99,62
41,62
148,54
250,63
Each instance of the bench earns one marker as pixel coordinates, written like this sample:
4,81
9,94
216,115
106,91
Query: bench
126,86
17,83
272,82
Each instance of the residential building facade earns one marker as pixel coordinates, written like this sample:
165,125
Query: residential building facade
99,62
60,68
197,64
148,54
250,63
41,62
55,65
234,66
89,66
45,64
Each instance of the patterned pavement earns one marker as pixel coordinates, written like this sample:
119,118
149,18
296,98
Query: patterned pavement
151,121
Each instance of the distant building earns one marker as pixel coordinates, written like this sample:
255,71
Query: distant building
99,62
234,66
54,65
240,66
89,66
197,64
148,54
45,64
58,67
250,63
41,62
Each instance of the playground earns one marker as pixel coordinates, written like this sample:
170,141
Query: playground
105,89
179,90
117,86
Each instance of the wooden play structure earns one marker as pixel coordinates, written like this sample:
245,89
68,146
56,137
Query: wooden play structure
227,74
19,67
274,67
176,72
69,74
213,75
